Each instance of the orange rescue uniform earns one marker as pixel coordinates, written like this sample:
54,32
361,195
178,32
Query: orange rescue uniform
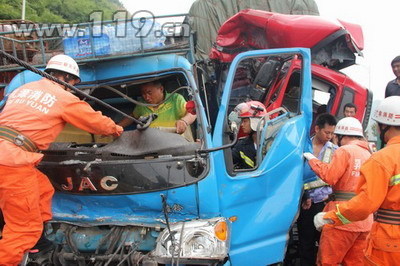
343,244
38,110
378,190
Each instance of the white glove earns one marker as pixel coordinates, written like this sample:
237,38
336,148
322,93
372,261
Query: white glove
309,156
319,220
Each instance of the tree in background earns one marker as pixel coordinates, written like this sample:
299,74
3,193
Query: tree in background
58,11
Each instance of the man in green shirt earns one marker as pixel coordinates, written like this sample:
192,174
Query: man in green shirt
171,113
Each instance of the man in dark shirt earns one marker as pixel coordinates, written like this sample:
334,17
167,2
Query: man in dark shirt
393,87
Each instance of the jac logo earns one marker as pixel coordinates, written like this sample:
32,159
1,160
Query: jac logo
108,183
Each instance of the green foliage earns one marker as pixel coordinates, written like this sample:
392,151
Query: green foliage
59,11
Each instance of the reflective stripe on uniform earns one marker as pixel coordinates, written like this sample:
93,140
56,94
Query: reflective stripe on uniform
327,155
343,219
315,184
394,180
326,158
247,160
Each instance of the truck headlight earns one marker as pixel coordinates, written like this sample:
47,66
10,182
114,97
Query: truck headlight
199,239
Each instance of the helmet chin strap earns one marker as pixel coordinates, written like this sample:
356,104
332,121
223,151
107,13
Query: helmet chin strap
340,137
383,132
68,78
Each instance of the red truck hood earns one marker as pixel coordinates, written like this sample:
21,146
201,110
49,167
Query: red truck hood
333,43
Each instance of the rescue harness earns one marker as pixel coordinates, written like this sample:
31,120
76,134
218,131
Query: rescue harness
388,216
17,138
343,195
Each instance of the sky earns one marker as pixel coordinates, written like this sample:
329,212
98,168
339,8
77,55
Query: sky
378,20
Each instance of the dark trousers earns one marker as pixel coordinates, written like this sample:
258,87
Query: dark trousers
308,235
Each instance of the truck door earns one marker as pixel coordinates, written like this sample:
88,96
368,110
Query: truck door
263,201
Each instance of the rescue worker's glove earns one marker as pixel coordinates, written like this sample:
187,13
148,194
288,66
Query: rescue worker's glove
319,220
309,156
146,120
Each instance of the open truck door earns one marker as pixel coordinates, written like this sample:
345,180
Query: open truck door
263,201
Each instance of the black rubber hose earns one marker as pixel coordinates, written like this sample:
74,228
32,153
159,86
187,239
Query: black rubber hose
44,74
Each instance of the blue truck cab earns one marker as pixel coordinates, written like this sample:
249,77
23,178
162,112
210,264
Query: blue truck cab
154,197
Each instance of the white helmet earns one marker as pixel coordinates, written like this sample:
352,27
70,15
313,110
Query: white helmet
388,111
349,126
63,63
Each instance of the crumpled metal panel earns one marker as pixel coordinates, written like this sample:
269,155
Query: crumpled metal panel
257,29
140,209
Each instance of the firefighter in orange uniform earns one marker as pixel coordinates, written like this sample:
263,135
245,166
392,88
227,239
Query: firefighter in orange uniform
343,244
244,152
378,191
33,116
